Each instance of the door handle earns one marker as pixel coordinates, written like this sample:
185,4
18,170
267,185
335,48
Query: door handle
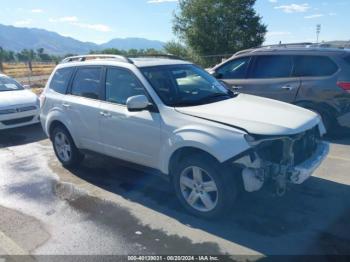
105,114
65,105
237,87
287,87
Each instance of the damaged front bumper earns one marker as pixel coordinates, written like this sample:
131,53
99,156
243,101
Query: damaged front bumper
282,161
305,170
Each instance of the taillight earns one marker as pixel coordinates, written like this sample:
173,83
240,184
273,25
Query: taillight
344,85
42,100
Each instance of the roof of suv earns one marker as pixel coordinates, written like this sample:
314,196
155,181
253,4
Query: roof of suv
292,49
116,59
146,62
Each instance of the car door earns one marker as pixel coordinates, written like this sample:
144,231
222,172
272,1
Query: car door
269,76
234,72
130,136
83,107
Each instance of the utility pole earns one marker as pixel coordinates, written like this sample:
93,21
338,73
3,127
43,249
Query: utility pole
318,31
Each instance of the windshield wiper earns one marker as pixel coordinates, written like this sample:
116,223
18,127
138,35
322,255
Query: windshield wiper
212,97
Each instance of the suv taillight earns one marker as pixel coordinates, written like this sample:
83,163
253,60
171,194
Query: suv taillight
42,100
344,85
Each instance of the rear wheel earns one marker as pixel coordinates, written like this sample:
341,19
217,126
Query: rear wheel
65,149
203,188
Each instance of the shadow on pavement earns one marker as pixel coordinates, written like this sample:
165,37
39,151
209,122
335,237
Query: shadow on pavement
310,219
21,136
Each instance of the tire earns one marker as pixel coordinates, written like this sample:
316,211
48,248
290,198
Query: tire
327,120
328,123
66,151
185,184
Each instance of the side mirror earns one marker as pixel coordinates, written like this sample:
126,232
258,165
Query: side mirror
137,103
26,86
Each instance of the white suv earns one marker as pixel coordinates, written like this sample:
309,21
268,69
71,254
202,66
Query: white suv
172,116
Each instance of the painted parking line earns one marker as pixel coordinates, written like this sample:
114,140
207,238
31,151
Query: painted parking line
12,249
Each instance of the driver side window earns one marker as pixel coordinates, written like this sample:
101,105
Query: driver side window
234,69
120,85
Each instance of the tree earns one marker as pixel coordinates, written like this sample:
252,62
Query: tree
2,58
216,27
27,56
177,49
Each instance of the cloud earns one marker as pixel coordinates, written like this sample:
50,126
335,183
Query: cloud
64,19
294,8
73,20
160,1
96,27
37,11
24,22
313,16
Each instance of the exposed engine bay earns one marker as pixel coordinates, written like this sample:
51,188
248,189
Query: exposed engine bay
284,160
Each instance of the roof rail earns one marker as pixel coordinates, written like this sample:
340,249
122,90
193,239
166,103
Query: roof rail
170,56
303,44
83,58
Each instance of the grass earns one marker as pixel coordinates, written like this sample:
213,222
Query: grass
18,70
21,70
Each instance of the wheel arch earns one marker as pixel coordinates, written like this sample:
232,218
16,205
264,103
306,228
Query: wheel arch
182,152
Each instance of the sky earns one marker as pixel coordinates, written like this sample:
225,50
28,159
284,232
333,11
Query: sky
103,20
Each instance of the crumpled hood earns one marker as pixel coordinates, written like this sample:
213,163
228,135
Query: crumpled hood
9,99
256,115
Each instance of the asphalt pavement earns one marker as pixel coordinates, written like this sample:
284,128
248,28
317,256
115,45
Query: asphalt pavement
106,208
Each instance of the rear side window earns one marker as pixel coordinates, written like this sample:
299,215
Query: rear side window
272,66
60,80
312,66
235,69
87,82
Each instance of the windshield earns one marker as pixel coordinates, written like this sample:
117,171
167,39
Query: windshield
8,84
185,85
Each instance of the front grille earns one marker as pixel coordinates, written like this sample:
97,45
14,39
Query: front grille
303,148
17,110
306,146
17,121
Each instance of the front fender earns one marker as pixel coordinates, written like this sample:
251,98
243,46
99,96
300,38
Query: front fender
221,143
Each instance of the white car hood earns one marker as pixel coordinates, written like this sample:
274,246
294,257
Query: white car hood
10,99
256,115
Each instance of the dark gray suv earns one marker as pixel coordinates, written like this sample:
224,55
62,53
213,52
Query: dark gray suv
311,77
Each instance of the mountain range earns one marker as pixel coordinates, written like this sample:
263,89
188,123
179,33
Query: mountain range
17,38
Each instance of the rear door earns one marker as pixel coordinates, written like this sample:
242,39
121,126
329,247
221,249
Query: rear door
319,78
83,107
271,76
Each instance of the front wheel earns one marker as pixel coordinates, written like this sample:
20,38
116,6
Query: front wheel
203,187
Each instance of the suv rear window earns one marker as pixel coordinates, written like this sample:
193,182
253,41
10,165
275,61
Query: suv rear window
87,82
60,80
272,66
314,66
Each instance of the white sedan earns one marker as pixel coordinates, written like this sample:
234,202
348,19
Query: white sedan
18,106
